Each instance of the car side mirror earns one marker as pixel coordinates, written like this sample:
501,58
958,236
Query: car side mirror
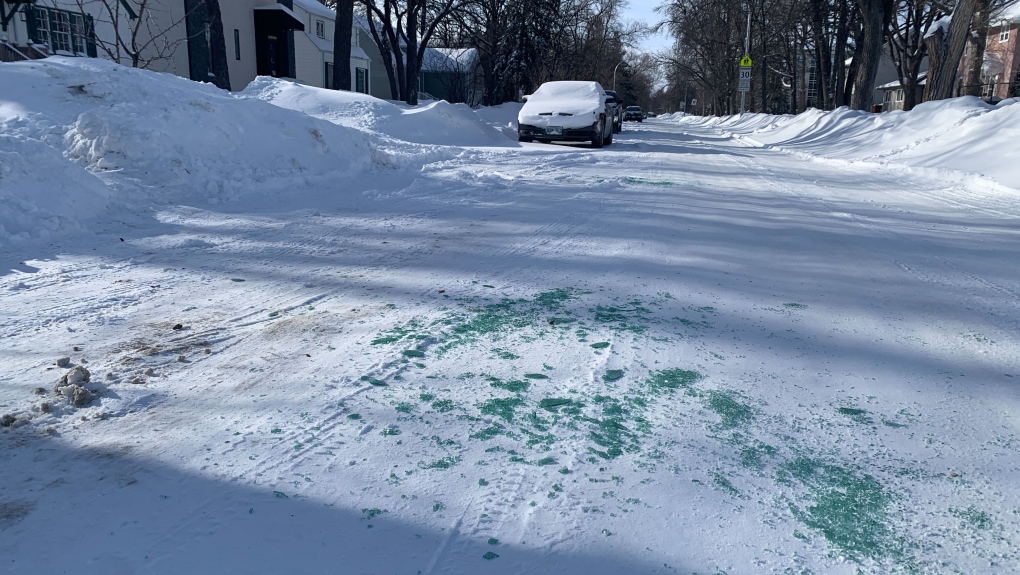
524,98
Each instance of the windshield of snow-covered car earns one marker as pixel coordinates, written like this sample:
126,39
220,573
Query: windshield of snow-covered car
567,91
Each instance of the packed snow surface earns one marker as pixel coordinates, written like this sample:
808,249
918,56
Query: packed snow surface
295,331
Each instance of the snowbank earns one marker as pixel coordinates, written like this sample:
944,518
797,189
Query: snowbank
962,134
438,123
153,135
41,193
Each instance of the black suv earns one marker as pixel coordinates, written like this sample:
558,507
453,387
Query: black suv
617,106
634,113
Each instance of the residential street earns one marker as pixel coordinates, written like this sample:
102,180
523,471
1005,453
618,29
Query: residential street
682,353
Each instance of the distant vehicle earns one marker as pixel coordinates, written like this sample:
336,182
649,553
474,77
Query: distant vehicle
650,114
634,114
567,111
617,111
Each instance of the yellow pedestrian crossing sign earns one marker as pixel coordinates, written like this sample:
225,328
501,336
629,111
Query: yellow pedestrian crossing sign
745,62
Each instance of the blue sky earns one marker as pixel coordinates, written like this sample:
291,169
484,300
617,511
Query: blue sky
645,10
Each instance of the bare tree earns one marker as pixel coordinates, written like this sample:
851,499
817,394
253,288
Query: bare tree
875,16
342,44
143,31
945,48
906,44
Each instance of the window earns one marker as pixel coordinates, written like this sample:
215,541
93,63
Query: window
60,30
1004,33
237,44
320,28
361,80
329,75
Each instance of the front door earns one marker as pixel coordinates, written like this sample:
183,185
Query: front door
272,57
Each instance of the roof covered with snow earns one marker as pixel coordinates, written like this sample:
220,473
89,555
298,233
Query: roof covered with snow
449,59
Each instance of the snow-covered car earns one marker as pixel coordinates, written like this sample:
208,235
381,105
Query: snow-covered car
634,114
571,111
617,105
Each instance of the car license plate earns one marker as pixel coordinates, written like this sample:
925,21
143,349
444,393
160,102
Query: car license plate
554,130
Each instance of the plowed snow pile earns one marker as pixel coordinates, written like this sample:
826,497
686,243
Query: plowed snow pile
156,137
439,123
963,134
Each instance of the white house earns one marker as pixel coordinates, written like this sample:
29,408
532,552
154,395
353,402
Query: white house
285,38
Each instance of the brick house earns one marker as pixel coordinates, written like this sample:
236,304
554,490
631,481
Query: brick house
1000,73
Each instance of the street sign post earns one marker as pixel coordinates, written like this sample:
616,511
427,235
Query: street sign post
744,84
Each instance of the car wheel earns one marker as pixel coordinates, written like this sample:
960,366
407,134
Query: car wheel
609,139
600,133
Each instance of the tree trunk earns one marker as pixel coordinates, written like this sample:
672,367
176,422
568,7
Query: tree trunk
978,37
944,51
411,67
218,45
839,54
819,15
872,13
342,31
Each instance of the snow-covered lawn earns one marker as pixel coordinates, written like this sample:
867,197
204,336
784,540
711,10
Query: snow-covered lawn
326,336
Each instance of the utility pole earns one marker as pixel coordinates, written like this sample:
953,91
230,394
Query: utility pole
747,50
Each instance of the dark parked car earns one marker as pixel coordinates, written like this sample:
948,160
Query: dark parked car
634,114
617,105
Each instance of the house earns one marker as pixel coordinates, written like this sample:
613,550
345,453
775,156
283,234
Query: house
314,48
893,93
452,74
285,39
1000,70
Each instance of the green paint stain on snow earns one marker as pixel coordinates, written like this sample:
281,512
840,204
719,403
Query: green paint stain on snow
669,380
794,305
444,463
600,345
236,280
732,412
536,376
849,509
613,375
482,483
280,495
722,482
354,416
426,397
493,541
972,518
443,405
502,408
546,461
396,334
488,433
373,381
514,385
856,415
505,354
489,556
553,403
413,353
752,456
404,407
372,513
390,431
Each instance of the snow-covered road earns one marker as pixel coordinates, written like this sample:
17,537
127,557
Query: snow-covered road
683,353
